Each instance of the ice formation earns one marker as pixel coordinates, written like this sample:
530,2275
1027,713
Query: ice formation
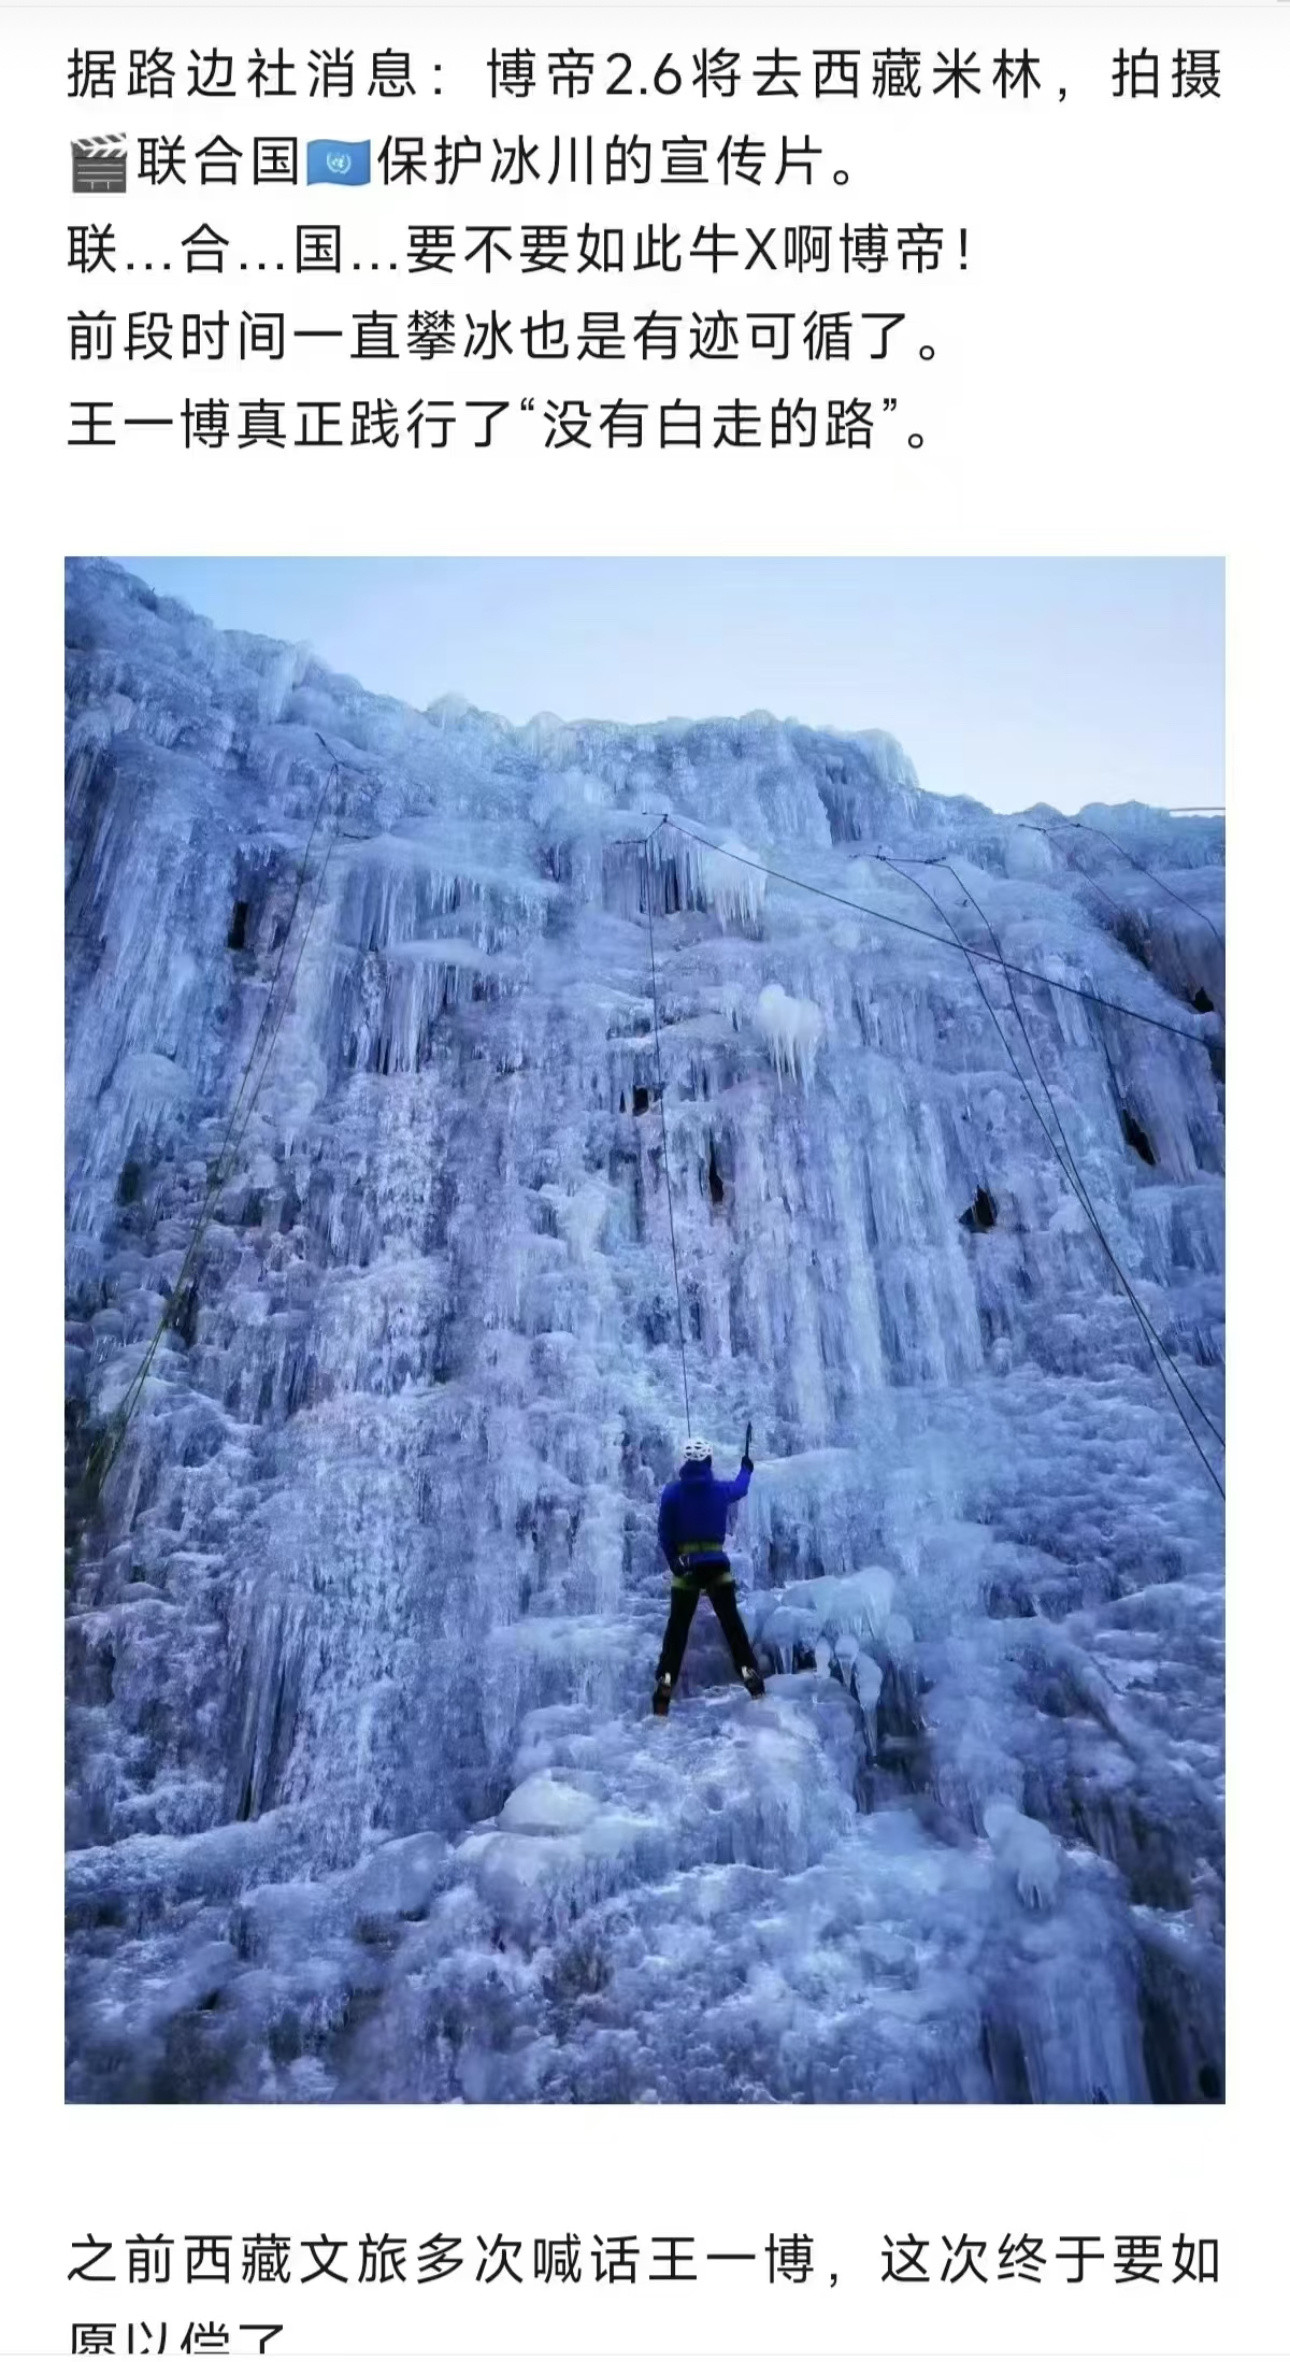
364,1799
792,1028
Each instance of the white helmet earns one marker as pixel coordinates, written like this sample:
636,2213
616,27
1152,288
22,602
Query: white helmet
697,1449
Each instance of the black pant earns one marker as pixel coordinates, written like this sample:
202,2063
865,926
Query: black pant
717,1582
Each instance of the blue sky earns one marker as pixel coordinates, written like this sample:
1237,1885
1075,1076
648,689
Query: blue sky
1016,680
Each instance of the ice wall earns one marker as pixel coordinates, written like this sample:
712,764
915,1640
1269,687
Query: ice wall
363,1798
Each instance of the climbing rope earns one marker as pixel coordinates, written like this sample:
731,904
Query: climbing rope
1087,874
1126,855
1064,1154
1078,1179
103,1456
1160,1356
662,1111
1078,992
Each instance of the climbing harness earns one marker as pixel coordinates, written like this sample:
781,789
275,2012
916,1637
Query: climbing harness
103,1456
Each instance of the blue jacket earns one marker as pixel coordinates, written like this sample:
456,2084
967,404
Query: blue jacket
693,1509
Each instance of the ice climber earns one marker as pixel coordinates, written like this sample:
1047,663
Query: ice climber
692,1533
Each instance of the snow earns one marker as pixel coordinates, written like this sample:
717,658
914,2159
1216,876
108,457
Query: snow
365,1799
544,1807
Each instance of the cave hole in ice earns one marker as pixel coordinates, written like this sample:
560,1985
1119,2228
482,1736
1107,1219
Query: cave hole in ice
982,1214
365,1800
1137,1138
183,1319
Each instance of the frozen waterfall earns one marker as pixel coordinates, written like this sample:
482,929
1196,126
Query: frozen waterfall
365,1802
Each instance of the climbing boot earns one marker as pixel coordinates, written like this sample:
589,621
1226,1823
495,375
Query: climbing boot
752,1681
662,1693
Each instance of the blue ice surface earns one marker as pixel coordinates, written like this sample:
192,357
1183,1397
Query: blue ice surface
365,1800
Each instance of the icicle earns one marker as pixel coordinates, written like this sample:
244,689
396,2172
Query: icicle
793,1028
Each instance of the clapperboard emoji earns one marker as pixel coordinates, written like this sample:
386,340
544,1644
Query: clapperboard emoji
98,165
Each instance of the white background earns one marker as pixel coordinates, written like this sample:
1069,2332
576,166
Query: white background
1110,378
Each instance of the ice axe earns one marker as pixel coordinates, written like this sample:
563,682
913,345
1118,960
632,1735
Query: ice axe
748,1441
